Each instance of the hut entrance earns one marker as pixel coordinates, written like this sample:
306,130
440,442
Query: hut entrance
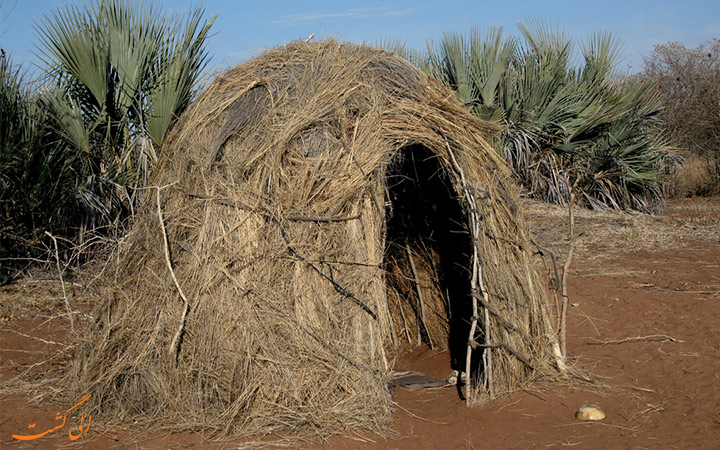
428,248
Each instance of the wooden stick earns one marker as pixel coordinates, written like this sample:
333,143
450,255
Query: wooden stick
7,330
651,338
488,359
29,368
476,285
393,333
515,353
555,285
552,335
186,304
468,357
405,325
566,267
420,295
62,284
505,323
556,290
402,313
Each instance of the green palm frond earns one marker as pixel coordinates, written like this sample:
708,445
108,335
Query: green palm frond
69,119
601,53
124,71
36,174
76,48
180,66
490,57
134,37
477,67
561,122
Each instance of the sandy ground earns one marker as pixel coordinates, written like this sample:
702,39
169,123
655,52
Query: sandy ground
644,323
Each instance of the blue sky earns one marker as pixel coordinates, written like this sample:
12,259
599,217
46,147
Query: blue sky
244,28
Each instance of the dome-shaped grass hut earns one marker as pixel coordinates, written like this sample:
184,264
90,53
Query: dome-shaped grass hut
315,207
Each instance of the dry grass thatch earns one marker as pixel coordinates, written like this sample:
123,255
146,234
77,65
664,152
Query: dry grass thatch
252,295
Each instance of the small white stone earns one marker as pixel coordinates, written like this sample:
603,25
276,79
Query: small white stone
590,412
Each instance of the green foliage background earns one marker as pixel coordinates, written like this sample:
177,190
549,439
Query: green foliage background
78,146
563,126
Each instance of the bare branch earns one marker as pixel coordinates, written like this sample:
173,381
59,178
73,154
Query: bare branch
650,338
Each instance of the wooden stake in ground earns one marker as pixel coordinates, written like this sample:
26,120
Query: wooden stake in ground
566,267
476,287
554,340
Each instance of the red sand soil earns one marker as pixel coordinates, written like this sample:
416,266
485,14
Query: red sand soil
645,323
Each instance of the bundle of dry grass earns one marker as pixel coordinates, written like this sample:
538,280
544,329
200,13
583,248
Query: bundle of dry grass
251,295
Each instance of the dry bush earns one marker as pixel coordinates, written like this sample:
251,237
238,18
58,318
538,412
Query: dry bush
688,79
694,177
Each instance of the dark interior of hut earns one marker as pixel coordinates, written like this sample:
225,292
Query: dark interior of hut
427,257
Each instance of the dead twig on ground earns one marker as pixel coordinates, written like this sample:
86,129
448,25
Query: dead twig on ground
29,368
651,409
33,337
650,338
407,411
642,389
509,404
632,430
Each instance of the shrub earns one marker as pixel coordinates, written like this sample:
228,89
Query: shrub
561,125
121,72
76,147
688,81
36,177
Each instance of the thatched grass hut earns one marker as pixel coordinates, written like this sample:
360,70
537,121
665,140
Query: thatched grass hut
315,207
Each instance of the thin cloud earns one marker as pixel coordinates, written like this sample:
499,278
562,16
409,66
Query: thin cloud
357,13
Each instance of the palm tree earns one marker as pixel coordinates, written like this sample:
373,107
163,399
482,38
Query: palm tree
477,67
121,71
561,126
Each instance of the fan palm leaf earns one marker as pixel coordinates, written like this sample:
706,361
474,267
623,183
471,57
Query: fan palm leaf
561,124
125,71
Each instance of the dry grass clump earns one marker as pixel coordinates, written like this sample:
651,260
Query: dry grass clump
28,297
251,296
694,177
602,235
